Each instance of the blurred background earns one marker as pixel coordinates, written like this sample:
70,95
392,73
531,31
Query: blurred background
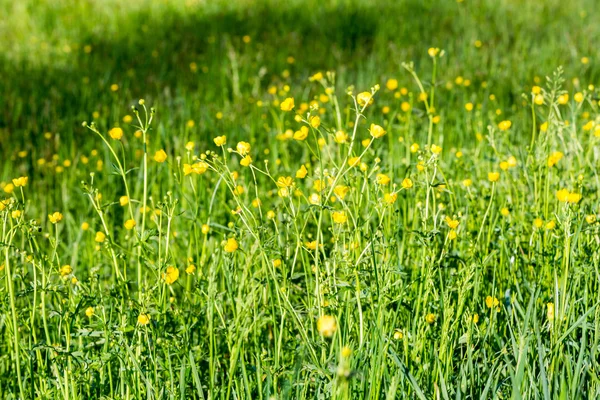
66,61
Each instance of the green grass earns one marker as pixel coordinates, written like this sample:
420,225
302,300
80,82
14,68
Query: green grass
444,282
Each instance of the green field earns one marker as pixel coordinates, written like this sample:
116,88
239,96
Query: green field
251,199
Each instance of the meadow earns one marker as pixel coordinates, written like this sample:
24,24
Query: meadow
304,199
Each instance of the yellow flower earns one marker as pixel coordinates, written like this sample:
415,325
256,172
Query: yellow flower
65,270
243,148
469,106
287,104
277,263
493,176
377,131
538,222
143,319
430,318
341,191
544,126
339,217
189,146
301,173
246,161
405,106
340,137
196,168
550,225
364,98
554,158
536,90
391,84
160,156
316,77
9,188
407,183
562,195
231,245
504,125
21,181
171,275
491,302
578,97
284,181
452,223
390,198
398,335
382,179
414,148
315,121
89,312
301,134
129,224
573,198
505,212
190,269
475,318
220,140
205,229
100,236
435,149
538,99
116,133
326,325
55,217
452,234
353,161
563,99
433,52
590,218
85,226
550,311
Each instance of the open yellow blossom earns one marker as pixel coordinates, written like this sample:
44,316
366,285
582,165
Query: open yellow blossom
89,312
116,133
452,223
504,125
340,137
491,302
435,149
315,121
231,245
452,234
341,191
196,168
243,148
339,217
364,99
353,161
287,104
55,217
493,176
143,319
407,183
376,131
20,181
430,318
171,275
554,158
284,181
301,134
8,188
578,97
129,224
220,140
100,237
65,270
382,179
123,201
390,198
391,84
538,222
160,156
301,173
246,161
326,325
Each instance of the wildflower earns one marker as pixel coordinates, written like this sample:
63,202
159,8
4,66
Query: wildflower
89,312
414,148
302,134
536,90
8,188
301,173
315,121
390,198
190,269
100,237
316,77
590,219
550,225
550,311
171,275
284,181
143,319
220,140
85,226
475,318
339,217
398,335
491,302
433,52
578,97
538,99
230,245
160,156
504,125
430,318
326,325
340,137
205,229
554,158
129,224
377,131
435,149
246,161
382,179
341,191
505,212
391,84
407,183
563,99
65,270
287,104
353,161
538,222
243,148
452,234
573,198
544,126
452,223
196,168
469,106
55,217
493,176
116,133
562,195
20,181
364,99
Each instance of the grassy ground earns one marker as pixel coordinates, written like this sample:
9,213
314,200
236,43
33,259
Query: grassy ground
420,224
